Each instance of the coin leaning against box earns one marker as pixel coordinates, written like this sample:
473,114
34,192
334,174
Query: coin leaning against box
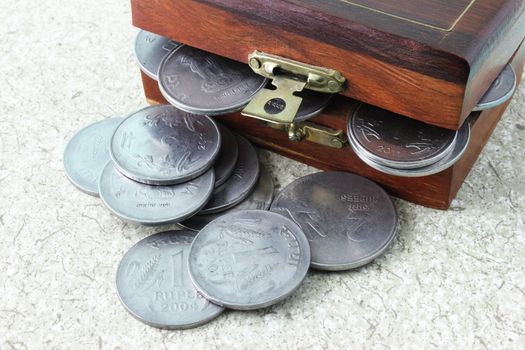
237,247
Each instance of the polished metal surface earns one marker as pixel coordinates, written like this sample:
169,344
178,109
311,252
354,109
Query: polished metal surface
460,147
161,145
248,260
397,141
150,50
259,199
203,83
228,154
153,205
348,219
154,286
240,184
500,91
87,153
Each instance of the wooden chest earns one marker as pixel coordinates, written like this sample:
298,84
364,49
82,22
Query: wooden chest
430,60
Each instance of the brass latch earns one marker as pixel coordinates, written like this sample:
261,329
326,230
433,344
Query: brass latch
313,133
289,77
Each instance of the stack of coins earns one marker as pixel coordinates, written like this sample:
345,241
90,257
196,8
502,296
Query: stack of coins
400,146
199,82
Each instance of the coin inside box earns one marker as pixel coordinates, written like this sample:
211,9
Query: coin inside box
429,63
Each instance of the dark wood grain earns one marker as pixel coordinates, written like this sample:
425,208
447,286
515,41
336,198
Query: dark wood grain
415,69
436,191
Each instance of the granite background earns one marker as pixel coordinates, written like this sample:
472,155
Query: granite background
452,279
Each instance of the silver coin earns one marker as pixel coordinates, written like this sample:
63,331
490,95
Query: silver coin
240,184
259,199
348,219
161,145
154,286
460,147
150,50
203,83
87,153
153,205
313,104
397,141
500,91
248,260
228,154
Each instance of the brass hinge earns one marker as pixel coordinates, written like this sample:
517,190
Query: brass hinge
281,105
312,132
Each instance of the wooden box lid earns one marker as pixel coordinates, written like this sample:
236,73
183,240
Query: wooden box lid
431,60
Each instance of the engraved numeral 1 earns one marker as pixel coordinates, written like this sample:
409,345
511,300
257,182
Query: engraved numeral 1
177,277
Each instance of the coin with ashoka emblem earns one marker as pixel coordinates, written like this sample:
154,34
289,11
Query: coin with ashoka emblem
161,145
249,259
203,83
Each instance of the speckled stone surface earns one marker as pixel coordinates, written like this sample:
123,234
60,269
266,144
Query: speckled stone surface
451,280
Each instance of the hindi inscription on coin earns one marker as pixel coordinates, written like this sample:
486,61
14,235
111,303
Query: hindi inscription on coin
203,83
154,286
150,50
87,153
240,184
398,141
249,259
228,155
259,199
349,220
161,145
153,205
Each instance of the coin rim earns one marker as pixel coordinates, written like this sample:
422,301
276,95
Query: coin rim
302,118
149,180
196,110
224,129
395,163
67,165
238,200
359,262
456,154
483,106
145,222
155,324
254,306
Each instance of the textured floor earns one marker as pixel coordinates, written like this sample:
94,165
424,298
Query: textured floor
451,280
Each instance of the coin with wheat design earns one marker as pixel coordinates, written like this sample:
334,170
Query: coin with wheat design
249,259
161,145
154,286
349,220
87,153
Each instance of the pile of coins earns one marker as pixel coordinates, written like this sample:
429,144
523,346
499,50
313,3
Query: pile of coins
236,248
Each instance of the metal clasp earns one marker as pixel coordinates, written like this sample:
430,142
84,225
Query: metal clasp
312,132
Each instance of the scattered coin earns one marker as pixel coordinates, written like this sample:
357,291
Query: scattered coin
154,286
348,220
203,83
259,199
452,158
240,184
500,91
87,153
397,141
153,205
249,259
150,50
227,158
313,103
161,145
